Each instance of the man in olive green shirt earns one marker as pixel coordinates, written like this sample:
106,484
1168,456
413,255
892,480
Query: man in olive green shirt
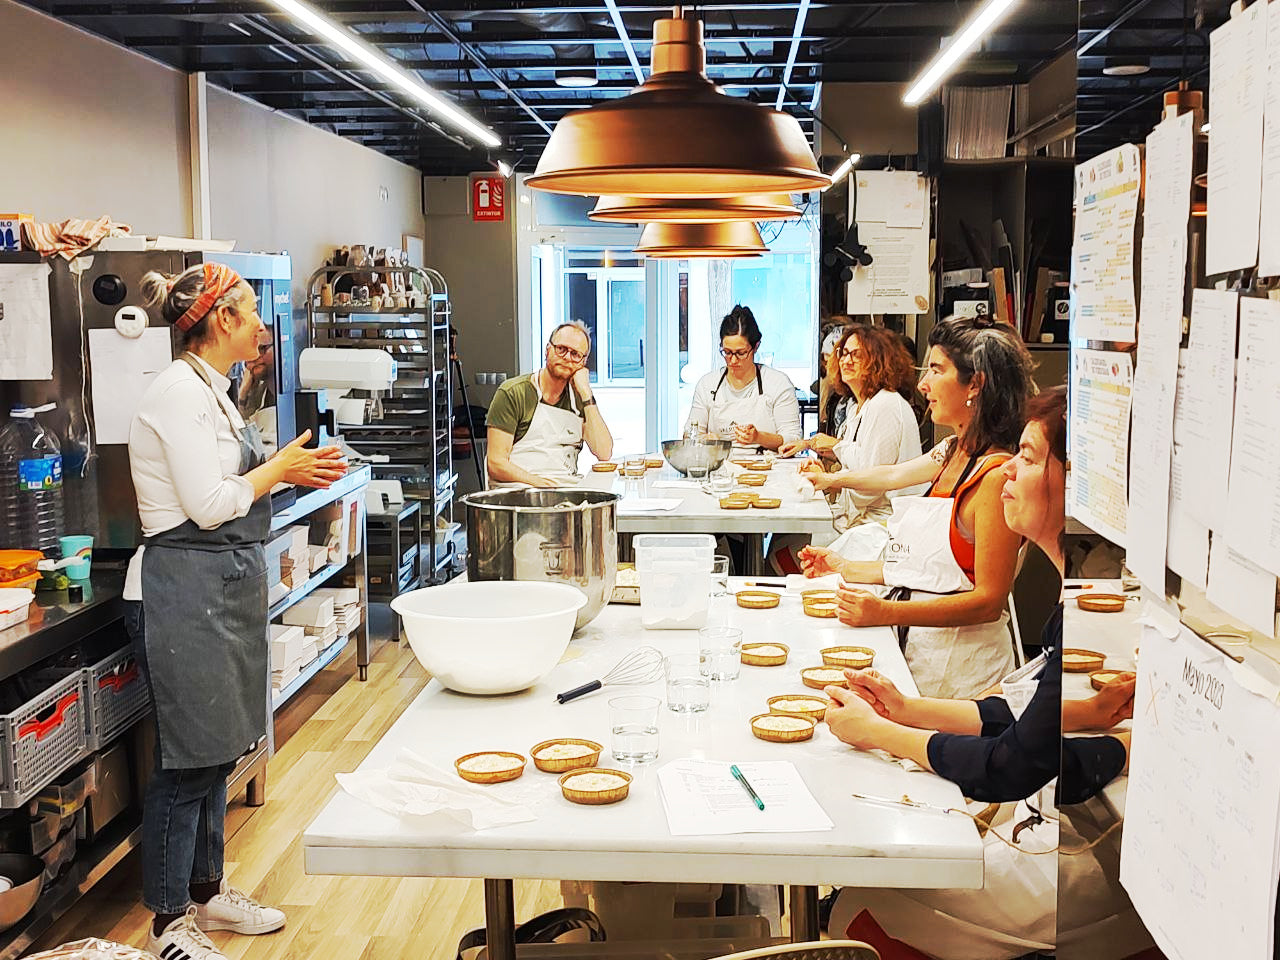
537,422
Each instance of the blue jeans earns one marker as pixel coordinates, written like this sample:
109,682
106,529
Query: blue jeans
183,815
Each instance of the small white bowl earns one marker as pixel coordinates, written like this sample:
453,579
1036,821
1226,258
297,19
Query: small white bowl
490,636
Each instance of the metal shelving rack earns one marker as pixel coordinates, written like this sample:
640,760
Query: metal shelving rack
416,429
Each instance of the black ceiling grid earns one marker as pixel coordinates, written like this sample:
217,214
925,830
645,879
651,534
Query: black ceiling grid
499,59
1130,53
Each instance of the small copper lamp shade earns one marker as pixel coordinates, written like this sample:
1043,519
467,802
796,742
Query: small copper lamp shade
680,241
708,210
678,135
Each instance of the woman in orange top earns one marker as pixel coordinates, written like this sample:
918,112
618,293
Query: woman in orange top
951,558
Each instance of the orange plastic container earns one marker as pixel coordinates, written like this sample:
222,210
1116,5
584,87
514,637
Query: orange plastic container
18,564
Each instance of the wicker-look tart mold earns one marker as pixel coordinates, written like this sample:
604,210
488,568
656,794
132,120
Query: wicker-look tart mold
821,683
783,704
758,599
489,776
1101,602
565,764
854,658
594,797
751,658
1082,661
1100,678
782,736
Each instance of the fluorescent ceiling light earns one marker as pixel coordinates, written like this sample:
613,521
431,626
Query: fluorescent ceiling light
504,168
388,70
796,32
576,78
239,29
842,171
970,35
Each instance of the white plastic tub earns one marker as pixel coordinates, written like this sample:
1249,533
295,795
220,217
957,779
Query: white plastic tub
490,636
674,571
14,602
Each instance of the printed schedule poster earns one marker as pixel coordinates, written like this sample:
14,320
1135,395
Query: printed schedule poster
1101,392
1102,255
1198,856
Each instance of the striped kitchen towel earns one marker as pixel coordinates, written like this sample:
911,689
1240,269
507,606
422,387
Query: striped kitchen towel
70,238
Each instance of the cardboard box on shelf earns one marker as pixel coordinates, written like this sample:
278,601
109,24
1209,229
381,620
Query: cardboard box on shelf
287,641
11,230
310,611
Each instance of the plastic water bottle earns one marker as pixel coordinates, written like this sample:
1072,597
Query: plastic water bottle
30,483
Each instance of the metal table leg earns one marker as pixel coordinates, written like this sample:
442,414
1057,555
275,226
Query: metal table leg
500,918
804,914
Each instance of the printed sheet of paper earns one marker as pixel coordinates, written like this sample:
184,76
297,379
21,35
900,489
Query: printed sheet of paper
702,797
893,222
1241,587
26,330
1164,263
1188,549
1269,242
121,369
1101,385
1102,254
1237,85
1206,403
1253,501
1202,816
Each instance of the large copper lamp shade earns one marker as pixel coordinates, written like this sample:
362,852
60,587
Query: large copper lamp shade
678,135
708,210
680,241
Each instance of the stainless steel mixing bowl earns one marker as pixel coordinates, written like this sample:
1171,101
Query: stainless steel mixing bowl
681,453
561,535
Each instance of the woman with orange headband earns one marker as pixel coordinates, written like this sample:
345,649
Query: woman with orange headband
197,600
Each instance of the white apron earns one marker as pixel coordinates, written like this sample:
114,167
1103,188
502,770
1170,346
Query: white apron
955,663
724,411
852,514
551,445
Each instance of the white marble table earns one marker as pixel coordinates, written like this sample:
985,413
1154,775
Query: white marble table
871,845
700,512
1113,634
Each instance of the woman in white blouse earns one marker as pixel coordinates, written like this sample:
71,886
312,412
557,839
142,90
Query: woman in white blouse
747,402
881,429
196,597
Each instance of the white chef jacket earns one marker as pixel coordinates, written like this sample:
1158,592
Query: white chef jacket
184,457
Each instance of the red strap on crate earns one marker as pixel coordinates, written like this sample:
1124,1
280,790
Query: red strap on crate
42,728
116,681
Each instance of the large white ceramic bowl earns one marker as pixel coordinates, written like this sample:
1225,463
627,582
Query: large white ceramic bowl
489,636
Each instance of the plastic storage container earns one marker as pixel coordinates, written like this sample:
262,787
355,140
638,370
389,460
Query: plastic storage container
674,571
41,739
117,695
30,484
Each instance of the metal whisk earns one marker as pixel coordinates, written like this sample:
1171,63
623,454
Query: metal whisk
643,665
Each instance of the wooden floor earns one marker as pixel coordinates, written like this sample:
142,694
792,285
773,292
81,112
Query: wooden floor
328,728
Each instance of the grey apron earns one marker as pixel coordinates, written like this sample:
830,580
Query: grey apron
204,597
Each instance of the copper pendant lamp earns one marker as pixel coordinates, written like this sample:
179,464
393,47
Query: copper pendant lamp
707,210
680,241
678,135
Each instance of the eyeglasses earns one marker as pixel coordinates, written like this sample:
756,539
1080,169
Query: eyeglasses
849,355
736,354
568,353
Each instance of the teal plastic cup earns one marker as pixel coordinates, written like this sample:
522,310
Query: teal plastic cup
82,549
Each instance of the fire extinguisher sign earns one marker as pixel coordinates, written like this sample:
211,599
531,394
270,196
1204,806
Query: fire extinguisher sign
488,198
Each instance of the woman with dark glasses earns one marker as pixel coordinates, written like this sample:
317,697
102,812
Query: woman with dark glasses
748,402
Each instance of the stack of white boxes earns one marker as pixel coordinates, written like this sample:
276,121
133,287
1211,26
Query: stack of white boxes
316,617
295,564
346,606
287,643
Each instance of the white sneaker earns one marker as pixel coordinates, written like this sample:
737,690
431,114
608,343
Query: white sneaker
232,910
182,940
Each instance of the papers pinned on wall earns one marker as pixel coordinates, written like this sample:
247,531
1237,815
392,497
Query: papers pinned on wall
1202,817
892,213
26,333
121,369
1101,387
1102,251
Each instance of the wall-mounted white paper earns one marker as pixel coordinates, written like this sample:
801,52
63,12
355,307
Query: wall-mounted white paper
26,333
1202,815
1188,549
1164,261
898,279
1102,257
1241,587
1101,386
121,369
1237,86
1269,241
1253,500
1207,401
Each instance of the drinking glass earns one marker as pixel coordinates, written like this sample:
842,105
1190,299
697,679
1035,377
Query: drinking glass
633,467
633,722
720,482
688,691
720,652
719,576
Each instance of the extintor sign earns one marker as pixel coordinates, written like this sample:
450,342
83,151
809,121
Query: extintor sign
488,198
